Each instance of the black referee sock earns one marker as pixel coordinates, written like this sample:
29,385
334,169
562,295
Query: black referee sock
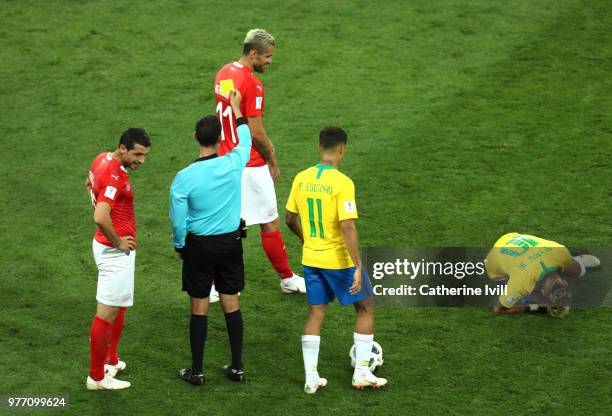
235,333
198,327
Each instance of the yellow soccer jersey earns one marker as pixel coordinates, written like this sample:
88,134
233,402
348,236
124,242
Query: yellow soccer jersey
525,260
323,196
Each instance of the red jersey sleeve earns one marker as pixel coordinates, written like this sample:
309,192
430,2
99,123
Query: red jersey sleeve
110,190
253,98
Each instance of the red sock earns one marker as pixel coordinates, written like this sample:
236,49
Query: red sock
111,356
99,341
274,246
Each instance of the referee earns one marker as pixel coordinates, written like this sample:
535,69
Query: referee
205,217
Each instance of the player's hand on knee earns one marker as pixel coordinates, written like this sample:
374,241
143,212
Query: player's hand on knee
357,282
127,244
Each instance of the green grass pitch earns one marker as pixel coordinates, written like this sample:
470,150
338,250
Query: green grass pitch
466,119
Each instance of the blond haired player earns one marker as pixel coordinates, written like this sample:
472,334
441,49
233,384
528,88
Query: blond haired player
258,194
536,271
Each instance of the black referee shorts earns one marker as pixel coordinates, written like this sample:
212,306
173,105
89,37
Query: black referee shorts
215,258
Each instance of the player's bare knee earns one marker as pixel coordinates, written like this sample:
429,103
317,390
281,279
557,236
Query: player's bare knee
107,312
229,303
365,306
199,306
316,312
365,311
271,226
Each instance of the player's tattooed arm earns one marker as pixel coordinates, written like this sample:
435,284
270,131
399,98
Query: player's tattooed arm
266,150
263,143
291,219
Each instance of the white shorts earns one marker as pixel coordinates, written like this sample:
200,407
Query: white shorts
115,275
258,196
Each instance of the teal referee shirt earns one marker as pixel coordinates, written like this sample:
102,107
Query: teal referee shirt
205,196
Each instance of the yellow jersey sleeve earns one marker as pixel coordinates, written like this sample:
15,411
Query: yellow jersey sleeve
493,265
292,205
347,208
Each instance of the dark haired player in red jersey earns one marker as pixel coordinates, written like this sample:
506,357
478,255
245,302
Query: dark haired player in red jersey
114,250
258,195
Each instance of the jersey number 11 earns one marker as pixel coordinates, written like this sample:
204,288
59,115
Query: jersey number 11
230,116
311,217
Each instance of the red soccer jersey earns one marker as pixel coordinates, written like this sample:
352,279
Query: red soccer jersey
110,183
252,105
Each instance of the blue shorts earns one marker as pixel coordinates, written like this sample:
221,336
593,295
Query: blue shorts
322,285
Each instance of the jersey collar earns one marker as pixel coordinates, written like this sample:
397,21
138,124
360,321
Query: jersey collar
200,159
239,65
322,168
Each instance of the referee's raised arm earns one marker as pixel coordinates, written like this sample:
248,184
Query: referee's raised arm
243,150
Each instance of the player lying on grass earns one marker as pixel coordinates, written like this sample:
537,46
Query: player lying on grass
536,271
324,200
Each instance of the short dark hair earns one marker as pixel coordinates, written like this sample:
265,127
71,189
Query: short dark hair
135,135
331,136
208,130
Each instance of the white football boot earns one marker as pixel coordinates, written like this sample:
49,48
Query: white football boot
107,383
293,284
112,370
214,295
589,261
368,380
313,388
